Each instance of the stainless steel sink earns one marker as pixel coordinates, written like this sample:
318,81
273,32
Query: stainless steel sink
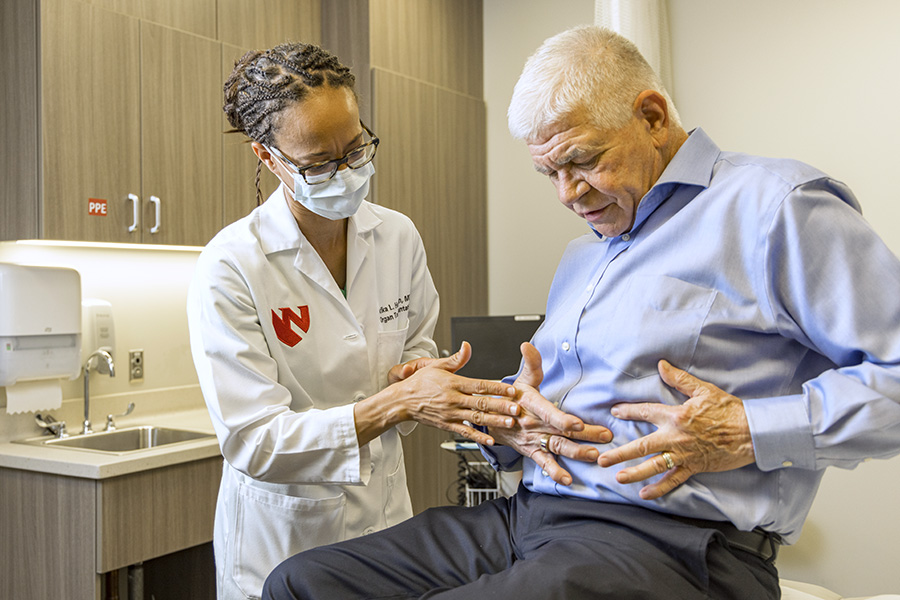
120,441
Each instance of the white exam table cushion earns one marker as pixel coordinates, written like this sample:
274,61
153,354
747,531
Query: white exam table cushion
795,590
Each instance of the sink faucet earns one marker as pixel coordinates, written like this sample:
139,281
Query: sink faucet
88,365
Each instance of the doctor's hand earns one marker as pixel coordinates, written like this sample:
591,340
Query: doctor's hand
708,433
451,363
427,391
540,418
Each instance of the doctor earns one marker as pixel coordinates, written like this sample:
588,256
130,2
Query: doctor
300,316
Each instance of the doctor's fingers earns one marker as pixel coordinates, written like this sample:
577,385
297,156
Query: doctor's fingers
455,361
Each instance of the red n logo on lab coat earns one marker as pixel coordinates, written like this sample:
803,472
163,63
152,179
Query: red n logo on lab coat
283,328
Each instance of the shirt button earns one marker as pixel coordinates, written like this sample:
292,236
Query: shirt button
787,463
565,346
626,237
369,530
359,396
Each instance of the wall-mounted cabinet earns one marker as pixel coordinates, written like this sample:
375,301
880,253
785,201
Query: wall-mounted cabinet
112,129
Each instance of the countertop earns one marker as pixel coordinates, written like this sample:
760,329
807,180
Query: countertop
96,465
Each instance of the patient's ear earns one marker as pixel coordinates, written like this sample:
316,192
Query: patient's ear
651,108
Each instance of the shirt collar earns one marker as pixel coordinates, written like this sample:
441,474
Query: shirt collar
692,165
279,230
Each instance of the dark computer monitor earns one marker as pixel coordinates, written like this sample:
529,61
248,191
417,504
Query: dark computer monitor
495,342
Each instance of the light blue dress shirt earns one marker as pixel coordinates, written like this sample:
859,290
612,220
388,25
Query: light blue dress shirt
759,276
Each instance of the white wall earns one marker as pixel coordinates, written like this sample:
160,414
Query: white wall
813,80
528,228
808,79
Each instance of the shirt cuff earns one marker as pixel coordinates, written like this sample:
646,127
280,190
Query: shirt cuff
781,431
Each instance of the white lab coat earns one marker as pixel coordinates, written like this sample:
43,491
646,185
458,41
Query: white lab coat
282,407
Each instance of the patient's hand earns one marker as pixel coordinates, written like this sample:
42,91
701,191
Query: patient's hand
540,417
708,433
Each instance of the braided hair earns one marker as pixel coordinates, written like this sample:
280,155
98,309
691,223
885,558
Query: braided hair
265,82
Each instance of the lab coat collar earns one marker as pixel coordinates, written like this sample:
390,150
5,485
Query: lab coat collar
279,230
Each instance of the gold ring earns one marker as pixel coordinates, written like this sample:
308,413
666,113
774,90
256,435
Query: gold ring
670,464
545,441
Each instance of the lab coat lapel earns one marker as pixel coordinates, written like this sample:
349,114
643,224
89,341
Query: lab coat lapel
359,241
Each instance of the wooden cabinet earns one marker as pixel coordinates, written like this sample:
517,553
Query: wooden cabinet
129,147
112,128
61,534
181,136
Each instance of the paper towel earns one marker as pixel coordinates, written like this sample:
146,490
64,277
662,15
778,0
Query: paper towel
32,396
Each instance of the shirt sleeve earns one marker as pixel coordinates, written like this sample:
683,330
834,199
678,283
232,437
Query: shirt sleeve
259,434
833,285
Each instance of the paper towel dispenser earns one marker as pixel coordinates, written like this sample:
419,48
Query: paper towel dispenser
40,323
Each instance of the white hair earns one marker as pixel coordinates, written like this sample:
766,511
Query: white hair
587,69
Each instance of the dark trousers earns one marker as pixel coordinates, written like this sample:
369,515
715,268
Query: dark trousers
530,546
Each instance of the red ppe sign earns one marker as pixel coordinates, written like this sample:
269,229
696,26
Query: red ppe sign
97,207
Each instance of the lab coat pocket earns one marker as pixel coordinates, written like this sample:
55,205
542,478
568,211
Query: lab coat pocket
272,527
665,314
390,351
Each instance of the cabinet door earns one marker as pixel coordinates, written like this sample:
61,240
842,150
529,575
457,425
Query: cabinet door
181,142
90,132
152,513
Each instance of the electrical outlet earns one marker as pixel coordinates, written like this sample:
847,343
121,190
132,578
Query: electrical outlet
135,365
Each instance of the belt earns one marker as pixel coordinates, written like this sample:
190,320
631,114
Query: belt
758,542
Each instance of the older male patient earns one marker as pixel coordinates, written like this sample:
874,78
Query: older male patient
728,327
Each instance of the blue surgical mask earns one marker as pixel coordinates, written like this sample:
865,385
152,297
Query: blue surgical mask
339,197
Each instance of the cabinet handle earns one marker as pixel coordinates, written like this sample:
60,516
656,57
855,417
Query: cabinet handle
156,203
135,211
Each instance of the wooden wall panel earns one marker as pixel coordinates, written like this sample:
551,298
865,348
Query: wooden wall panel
19,130
265,23
345,32
431,167
439,41
427,107
195,16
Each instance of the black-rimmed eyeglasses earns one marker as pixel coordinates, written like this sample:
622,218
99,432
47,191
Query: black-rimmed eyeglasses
321,172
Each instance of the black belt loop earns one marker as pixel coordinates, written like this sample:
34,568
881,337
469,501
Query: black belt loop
758,542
